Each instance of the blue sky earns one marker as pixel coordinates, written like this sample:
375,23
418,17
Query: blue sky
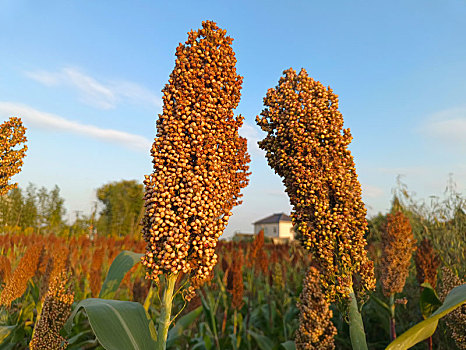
86,76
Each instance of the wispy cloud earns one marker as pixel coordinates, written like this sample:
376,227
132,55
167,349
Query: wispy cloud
448,126
55,122
404,171
370,191
251,133
104,95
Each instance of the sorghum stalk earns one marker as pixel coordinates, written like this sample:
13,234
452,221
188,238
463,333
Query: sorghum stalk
200,164
427,262
391,305
165,313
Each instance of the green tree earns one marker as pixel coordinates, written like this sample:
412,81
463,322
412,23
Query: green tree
122,203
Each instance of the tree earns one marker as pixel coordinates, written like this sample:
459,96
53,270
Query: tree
122,203
35,208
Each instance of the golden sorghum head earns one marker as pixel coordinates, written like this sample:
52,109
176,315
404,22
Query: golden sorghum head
398,244
256,246
235,280
25,270
55,311
427,263
200,161
12,137
316,330
455,320
306,146
96,271
5,269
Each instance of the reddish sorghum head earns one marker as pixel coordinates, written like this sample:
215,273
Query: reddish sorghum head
427,263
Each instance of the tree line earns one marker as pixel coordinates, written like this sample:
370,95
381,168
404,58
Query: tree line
118,211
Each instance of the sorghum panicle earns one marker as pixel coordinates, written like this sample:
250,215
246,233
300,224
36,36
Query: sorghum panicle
12,137
316,330
306,146
256,246
96,271
55,311
455,320
5,269
25,270
235,283
200,161
398,244
427,263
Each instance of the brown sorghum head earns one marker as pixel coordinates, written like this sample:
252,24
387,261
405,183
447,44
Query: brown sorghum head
96,271
55,311
455,320
12,137
235,280
5,269
316,330
398,244
26,269
256,246
307,147
200,161
427,263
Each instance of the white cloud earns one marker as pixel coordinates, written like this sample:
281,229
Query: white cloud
370,191
251,133
448,126
98,94
405,171
55,122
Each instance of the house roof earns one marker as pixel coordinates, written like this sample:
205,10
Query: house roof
274,219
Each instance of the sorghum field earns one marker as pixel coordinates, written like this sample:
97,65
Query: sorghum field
152,272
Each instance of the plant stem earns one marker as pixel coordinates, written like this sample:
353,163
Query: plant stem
392,317
149,297
357,335
165,313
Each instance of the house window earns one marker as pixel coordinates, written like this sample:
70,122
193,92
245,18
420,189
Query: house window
274,230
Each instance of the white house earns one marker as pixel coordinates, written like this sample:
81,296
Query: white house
275,226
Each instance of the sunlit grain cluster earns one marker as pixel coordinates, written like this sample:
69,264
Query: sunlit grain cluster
456,320
12,151
398,244
306,146
26,269
56,310
427,263
200,161
316,330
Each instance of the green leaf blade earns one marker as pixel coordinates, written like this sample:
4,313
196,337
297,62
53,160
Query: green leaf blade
120,266
182,324
426,328
117,324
